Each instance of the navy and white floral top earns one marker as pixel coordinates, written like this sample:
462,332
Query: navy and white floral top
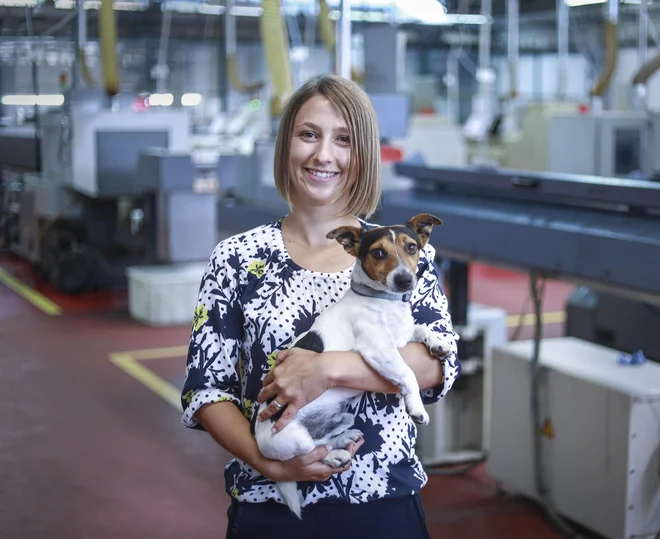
253,301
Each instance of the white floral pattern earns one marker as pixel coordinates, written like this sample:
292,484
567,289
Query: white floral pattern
253,301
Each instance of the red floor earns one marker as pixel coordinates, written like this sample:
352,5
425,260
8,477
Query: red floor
89,452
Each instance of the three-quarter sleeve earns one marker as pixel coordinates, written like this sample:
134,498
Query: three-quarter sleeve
213,355
430,308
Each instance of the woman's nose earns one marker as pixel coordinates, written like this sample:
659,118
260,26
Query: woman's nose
324,150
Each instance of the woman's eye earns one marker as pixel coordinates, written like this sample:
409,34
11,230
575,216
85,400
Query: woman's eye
308,135
377,253
344,140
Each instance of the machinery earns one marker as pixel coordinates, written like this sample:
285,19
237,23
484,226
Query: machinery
114,188
556,410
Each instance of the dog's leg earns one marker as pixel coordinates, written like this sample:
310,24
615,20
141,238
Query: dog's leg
389,364
437,346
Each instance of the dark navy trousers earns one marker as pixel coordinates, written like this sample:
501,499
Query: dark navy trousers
391,518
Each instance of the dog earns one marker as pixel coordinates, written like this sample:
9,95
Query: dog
373,318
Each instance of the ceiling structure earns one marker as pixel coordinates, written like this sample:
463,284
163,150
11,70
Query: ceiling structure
537,20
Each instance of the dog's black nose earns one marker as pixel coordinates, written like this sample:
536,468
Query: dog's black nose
403,281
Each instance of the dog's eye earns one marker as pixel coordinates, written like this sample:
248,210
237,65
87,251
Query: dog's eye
411,248
378,253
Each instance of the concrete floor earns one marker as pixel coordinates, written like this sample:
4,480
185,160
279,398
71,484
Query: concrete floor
91,450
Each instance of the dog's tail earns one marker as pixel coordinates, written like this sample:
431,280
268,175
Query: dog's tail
289,491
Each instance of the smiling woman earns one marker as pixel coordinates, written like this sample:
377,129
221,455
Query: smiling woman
262,290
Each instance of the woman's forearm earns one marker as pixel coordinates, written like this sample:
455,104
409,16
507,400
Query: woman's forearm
348,369
227,426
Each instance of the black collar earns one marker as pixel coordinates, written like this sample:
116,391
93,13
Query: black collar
364,290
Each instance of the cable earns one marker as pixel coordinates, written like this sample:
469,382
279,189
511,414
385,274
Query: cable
543,490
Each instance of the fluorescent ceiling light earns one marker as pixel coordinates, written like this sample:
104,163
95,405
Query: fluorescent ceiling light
191,100
27,100
161,100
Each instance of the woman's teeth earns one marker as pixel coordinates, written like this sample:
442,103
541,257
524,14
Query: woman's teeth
322,175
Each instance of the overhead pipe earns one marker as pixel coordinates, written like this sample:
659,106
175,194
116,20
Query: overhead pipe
276,48
328,35
235,80
611,49
108,38
344,38
563,26
513,16
162,69
647,67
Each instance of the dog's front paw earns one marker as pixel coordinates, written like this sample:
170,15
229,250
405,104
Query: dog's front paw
337,458
440,348
420,417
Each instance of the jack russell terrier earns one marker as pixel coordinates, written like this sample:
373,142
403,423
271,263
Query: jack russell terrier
373,318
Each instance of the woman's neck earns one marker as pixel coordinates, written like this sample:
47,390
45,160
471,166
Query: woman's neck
309,226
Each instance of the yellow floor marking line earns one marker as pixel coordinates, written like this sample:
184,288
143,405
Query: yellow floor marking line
556,317
131,365
38,300
158,353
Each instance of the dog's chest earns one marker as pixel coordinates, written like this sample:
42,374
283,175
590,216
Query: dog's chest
393,325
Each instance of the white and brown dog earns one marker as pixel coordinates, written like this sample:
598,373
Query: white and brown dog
373,318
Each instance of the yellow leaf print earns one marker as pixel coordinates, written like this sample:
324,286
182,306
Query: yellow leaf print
248,408
200,318
222,399
257,267
270,360
188,396
234,493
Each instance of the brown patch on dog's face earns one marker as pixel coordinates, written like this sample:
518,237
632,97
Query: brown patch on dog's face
389,255
408,249
381,259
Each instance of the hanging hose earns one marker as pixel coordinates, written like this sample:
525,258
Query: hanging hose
647,71
233,75
108,35
328,36
276,48
611,53
542,488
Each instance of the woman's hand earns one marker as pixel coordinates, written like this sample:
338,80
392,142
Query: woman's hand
307,467
294,383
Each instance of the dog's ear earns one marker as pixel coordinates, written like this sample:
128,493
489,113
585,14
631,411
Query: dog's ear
348,236
422,224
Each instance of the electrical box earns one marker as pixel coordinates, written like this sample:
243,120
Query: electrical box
600,433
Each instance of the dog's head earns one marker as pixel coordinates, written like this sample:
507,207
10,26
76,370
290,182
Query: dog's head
388,255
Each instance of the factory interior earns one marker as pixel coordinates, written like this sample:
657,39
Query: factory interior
137,134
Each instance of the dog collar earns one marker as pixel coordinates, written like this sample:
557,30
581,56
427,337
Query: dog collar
364,290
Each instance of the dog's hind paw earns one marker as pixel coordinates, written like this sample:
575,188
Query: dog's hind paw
337,458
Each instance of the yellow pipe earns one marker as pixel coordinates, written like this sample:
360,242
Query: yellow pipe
276,48
647,71
86,73
235,78
611,52
108,35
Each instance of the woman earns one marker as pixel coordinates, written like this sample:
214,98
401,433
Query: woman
264,287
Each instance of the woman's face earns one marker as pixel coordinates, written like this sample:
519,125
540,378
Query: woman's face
319,154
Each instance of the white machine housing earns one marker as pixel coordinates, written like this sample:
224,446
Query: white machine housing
608,143
80,147
601,455
459,426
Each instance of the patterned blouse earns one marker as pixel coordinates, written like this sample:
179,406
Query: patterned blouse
253,301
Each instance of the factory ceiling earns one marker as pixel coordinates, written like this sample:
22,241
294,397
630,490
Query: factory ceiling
537,18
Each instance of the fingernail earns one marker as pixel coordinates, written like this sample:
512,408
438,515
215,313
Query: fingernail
328,447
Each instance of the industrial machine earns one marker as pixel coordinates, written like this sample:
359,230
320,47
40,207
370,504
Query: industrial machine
598,461
113,188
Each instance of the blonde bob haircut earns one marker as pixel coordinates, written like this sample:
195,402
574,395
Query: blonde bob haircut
363,188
